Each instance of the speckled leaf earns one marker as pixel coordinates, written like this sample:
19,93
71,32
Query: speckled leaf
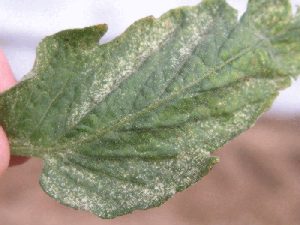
125,125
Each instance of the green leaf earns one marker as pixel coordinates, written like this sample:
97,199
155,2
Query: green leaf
127,124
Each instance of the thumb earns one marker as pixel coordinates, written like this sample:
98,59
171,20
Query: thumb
4,152
6,81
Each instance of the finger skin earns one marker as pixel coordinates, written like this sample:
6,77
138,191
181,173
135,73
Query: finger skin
7,81
4,152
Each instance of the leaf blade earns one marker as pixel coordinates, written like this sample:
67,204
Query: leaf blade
143,113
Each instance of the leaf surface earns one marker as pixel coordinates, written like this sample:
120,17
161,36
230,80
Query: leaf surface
127,124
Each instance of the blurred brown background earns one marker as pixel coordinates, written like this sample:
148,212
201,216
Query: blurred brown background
257,182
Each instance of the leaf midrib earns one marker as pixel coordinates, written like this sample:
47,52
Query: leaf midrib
160,102
156,104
